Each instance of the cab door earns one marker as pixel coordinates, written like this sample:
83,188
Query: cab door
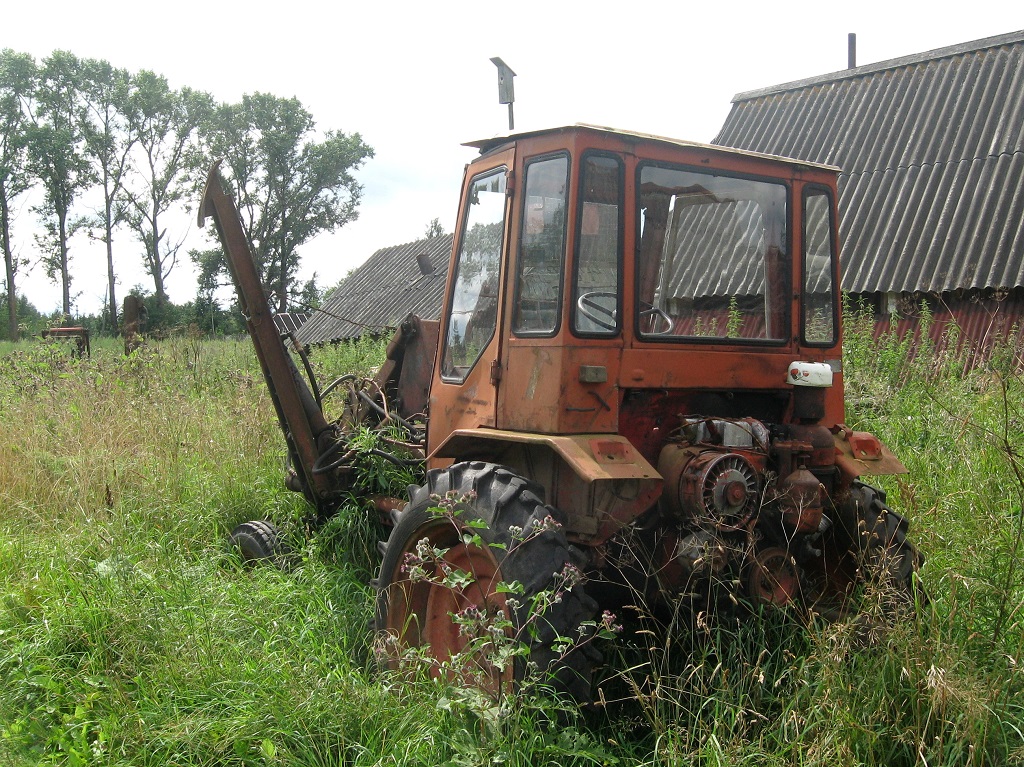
463,393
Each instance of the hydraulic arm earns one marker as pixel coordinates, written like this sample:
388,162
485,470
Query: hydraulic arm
306,430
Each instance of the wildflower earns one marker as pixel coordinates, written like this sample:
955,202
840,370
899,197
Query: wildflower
469,619
608,622
543,525
569,576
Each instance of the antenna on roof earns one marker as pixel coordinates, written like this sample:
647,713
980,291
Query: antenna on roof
506,90
851,50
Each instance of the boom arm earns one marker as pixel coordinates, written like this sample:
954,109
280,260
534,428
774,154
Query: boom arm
305,428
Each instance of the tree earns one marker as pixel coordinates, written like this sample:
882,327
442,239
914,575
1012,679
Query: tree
311,296
56,141
434,229
208,264
165,123
208,312
108,143
288,186
17,81
27,317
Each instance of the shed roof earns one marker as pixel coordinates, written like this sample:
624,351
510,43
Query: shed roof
931,148
289,322
378,295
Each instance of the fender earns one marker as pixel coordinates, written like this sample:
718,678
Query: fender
600,480
860,453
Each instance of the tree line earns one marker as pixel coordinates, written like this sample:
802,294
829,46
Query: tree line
75,128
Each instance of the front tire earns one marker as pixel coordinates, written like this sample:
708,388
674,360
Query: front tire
476,534
256,541
881,536
868,545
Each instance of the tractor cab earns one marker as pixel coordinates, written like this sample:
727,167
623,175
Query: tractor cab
605,282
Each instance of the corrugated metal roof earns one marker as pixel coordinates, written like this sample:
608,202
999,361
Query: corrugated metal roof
931,148
289,322
378,295
735,231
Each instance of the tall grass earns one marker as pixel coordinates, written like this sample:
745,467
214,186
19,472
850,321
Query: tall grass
129,635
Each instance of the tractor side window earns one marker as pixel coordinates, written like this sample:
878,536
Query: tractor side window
474,303
596,293
541,247
819,304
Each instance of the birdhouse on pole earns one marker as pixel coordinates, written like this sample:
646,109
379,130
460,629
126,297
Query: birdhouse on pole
506,89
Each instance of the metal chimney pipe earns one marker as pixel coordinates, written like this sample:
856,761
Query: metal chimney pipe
851,50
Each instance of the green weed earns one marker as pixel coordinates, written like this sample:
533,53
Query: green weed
130,635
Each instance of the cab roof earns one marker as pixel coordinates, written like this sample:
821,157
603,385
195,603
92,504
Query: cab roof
488,144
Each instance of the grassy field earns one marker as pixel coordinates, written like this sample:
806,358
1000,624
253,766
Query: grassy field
130,635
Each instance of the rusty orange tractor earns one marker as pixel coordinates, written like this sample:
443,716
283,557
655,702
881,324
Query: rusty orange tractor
641,341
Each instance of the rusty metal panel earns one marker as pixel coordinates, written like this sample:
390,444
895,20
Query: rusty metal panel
409,365
863,454
566,389
601,480
969,325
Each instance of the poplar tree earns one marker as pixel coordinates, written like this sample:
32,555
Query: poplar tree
165,125
57,158
289,185
17,81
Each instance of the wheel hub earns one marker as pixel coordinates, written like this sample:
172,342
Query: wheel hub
772,577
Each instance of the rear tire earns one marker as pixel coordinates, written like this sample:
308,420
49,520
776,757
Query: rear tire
415,611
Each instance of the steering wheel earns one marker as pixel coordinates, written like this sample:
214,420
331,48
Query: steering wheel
597,312
659,320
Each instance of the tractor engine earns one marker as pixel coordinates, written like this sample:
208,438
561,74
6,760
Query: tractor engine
747,499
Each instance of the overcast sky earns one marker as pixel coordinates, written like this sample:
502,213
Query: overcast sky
415,80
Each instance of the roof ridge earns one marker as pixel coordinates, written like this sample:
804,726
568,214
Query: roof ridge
421,240
935,54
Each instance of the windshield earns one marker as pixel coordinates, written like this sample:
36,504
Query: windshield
474,304
712,257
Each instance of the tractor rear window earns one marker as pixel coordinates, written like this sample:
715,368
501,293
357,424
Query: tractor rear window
713,259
